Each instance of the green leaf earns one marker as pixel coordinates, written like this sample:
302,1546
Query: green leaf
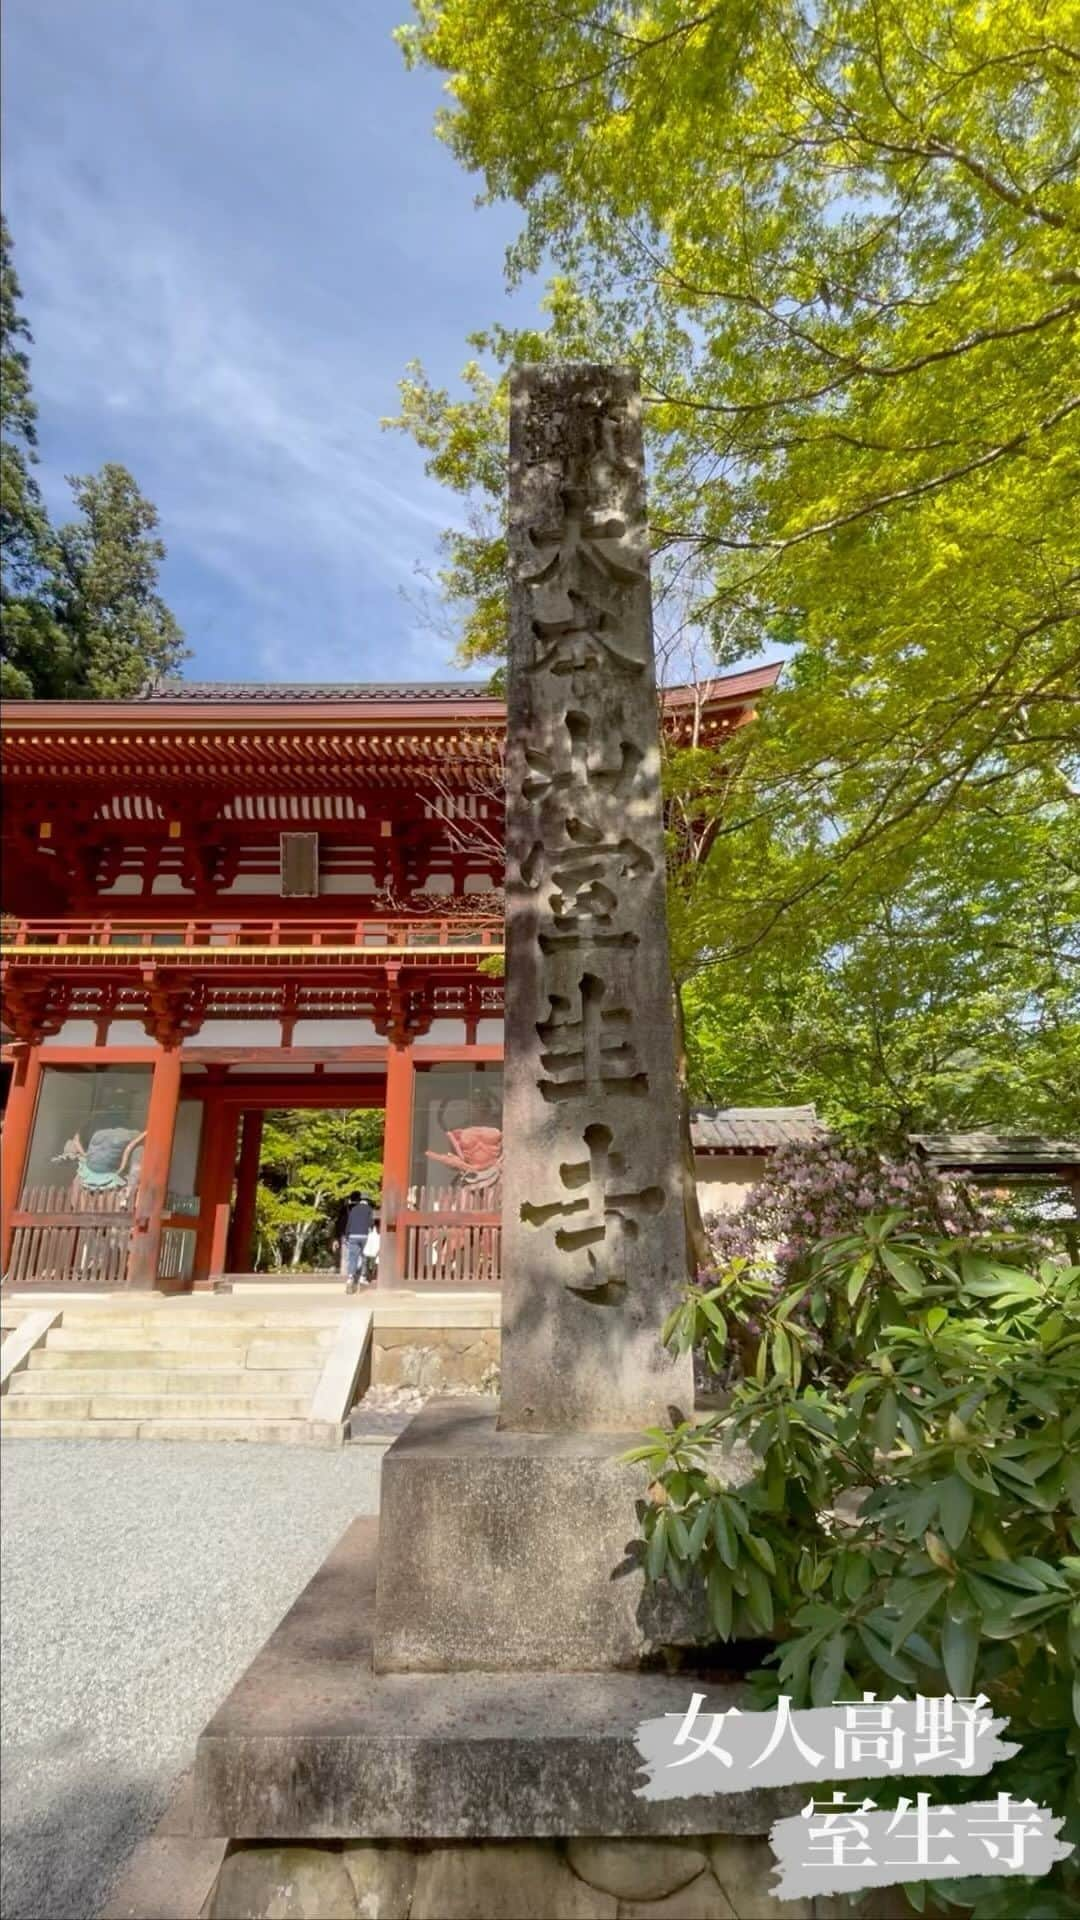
858,1277
699,1529
827,1670
762,1552
885,1421
959,1646
678,1534
759,1600
657,1549
781,1353
1008,1573
972,1470
858,1574
739,1517
955,1504
994,1603
723,1533
919,1511
927,1596
1042,1570
894,1664
721,1600
907,1277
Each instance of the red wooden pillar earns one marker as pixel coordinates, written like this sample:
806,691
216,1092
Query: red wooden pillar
247,1181
18,1127
154,1179
397,1160
217,1165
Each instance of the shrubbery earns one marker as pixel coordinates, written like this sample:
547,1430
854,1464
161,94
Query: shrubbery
913,1397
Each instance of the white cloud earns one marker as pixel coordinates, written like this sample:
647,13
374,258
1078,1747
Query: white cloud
177,333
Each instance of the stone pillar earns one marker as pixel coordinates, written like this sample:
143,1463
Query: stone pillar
397,1159
154,1178
18,1129
247,1183
594,1254
503,1531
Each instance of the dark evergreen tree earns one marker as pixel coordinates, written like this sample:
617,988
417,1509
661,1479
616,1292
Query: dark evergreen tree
80,614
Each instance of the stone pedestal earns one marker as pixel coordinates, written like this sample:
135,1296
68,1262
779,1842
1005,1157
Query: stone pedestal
312,1743
513,1551
349,1795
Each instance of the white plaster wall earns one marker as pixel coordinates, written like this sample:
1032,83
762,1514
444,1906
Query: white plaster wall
169,883
489,1033
236,1033
127,1033
444,1033
252,883
336,1033
347,883
725,1180
75,1033
125,883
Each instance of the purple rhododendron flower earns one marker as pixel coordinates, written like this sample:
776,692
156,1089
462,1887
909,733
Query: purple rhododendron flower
825,1188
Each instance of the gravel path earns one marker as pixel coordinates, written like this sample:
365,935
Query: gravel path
138,1581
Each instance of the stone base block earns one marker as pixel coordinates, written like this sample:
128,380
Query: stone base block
516,1551
436,1358
350,1795
520,1880
312,1744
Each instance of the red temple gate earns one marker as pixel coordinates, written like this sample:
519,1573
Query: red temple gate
221,899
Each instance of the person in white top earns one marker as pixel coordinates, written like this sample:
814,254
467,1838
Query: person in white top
371,1252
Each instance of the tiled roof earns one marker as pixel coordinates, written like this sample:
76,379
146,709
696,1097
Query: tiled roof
273,692
753,1129
998,1152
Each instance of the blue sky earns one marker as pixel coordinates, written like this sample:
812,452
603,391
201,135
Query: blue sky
233,226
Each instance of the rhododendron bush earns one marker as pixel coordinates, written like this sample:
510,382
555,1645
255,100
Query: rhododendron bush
902,1374
825,1187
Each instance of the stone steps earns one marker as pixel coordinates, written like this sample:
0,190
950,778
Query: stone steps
278,1356
247,1381
175,1335
177,1370
200,1319
164,1406
297,1433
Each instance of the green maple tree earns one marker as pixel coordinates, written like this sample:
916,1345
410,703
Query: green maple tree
840,245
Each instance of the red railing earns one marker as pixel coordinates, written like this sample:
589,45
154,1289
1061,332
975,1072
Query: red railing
227,932
456,1250
64,1238
450,1238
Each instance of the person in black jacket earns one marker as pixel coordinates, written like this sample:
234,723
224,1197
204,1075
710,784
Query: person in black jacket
357,1227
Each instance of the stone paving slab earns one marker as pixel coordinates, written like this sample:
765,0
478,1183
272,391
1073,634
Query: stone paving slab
138,1584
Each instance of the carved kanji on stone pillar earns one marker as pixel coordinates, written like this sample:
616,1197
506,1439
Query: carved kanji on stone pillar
588,1046
593,1242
